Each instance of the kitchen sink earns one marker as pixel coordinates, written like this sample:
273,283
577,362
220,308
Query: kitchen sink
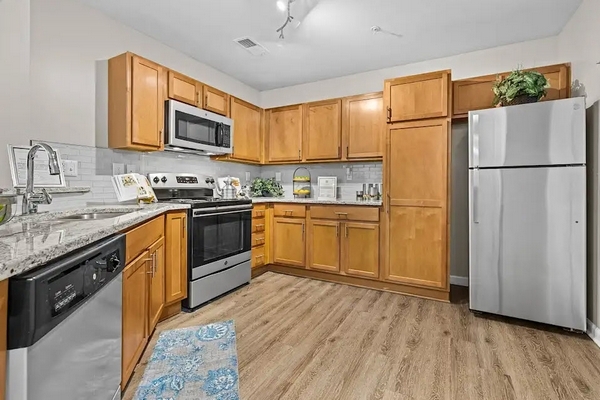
94,216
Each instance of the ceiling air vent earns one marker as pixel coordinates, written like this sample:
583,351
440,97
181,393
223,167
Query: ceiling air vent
251,45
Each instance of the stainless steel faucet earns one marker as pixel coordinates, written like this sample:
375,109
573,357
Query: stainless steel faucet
30,198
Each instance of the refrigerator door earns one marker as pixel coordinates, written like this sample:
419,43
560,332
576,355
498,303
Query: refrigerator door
546,133
527,243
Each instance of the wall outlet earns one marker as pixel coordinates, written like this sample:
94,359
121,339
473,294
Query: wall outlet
70,167
278,176
349,173
118,168
132,169
247,176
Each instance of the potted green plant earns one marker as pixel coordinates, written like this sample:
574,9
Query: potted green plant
266,188
520,87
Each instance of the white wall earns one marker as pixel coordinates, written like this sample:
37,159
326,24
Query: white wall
67,39
527,54
14,79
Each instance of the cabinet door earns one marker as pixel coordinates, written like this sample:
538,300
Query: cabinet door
182,88
289,241
323,130
559,78
363,126
135,314
360,249
156,285
324,245
215,101
417,176
147,103
176,257
472,94
417,97
285,133
247,142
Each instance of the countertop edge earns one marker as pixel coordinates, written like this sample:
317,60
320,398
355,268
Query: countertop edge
266,200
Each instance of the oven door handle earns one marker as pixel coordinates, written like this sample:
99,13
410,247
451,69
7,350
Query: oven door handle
222,213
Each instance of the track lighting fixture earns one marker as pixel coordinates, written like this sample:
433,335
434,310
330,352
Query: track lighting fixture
281,5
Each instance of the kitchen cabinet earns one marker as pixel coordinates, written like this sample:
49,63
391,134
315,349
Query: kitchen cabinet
183,88
289,241
258,257
260,226
284,127
247,141
3,335
324,245
156,283
360,249
559,78
176,253
363,126
323,130
215,100
135,330
135,103
417,96
416,168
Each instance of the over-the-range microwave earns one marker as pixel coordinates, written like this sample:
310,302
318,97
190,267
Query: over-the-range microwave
191,128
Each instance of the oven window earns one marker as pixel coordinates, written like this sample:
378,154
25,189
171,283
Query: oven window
219,236
195,129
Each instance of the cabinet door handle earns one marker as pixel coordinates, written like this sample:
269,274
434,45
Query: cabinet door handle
337,230
154,263
303,231
340,151
199,99
206,101
299,155
183,228
389,114
347,151
346,230
389,203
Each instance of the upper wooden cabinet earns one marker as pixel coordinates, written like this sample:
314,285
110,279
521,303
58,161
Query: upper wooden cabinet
183,88
476,93
363,126
418,96
215,100
176,254
135,103
247,143
284,126
323,130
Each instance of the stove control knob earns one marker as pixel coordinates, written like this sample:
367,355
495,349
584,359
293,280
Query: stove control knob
207,180
155,180
212,180
164,179
113,263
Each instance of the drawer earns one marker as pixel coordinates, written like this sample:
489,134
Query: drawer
258,225
345,213
258,239
259,211
258,256
139,239
289,210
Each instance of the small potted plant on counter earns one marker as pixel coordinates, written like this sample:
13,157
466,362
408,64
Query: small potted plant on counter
266,188
520,87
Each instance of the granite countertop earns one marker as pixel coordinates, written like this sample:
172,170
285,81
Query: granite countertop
29,241
339,202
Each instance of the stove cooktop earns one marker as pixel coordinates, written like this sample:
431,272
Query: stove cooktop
209,202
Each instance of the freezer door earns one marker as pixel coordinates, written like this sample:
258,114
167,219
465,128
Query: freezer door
527,243
546,133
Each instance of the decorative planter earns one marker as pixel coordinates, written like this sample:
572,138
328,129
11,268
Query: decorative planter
522,99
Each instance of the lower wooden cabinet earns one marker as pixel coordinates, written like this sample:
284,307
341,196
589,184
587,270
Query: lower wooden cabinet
135,300
176,254
324,245
258,257
289,241
360,249
156,283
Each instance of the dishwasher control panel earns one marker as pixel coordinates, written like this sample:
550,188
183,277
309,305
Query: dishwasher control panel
42,298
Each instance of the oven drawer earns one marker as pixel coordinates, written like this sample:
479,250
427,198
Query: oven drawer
258,225
360,213
258,257
259,211
289,210
258,239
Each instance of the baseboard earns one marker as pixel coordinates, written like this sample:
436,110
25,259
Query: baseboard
593,332
459,280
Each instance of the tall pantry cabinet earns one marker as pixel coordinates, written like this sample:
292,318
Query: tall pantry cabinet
416,174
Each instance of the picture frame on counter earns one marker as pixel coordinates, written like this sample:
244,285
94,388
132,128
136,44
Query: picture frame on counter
17,160
327,188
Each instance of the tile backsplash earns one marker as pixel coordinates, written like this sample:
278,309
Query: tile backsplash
95,171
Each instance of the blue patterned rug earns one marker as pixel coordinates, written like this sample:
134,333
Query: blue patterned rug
192,364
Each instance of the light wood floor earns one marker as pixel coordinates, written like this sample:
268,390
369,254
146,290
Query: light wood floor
305,339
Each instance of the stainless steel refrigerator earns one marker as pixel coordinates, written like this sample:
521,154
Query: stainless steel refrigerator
527,212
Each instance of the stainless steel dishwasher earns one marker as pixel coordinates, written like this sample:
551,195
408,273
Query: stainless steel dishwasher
64,327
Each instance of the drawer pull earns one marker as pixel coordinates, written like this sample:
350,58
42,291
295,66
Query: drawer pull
341,214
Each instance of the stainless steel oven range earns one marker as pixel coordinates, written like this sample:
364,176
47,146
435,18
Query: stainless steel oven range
219,235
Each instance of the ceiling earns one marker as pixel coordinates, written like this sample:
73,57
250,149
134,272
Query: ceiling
334,38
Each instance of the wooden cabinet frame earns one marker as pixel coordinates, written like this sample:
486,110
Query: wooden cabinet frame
183,88
351,154
334,138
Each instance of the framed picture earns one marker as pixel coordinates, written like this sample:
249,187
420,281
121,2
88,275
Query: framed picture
17,159
327,187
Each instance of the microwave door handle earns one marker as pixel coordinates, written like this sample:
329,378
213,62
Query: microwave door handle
219,134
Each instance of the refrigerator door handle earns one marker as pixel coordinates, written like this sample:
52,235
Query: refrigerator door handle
475,138
475,199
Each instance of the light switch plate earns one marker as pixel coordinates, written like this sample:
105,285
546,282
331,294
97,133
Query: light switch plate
247,176
118,168
132,169
70,167
278,176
